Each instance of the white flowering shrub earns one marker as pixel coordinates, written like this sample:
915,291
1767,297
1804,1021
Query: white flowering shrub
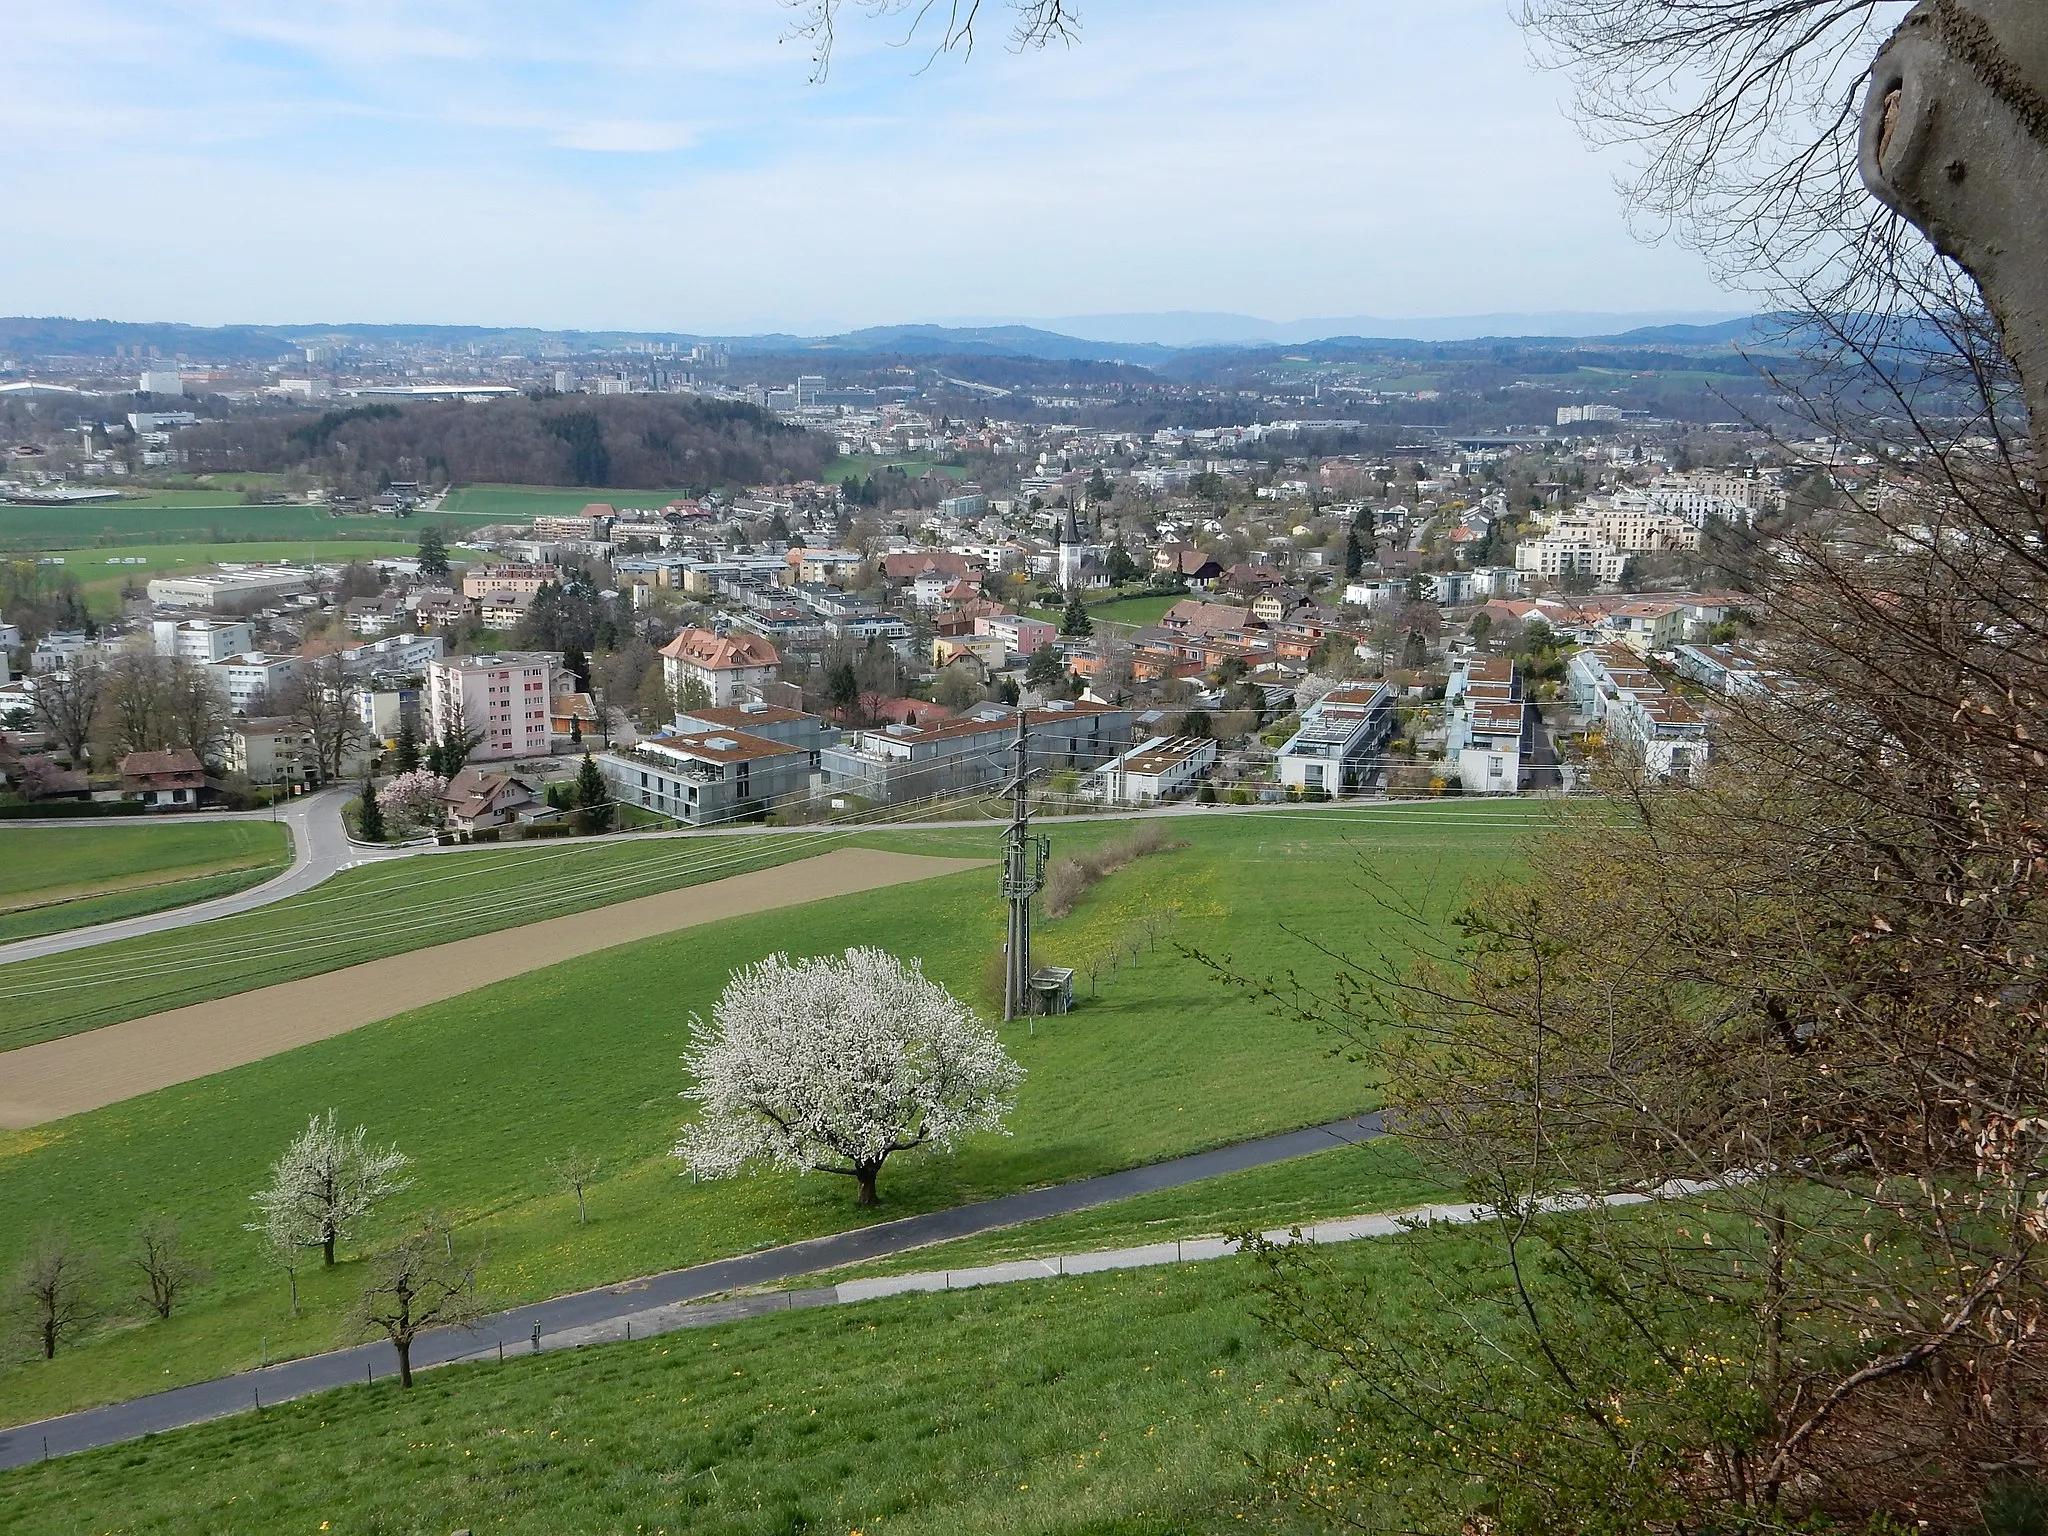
833,1063
414,800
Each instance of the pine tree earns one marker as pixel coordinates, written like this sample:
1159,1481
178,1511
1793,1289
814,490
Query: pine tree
577,665
593,797
405,752
1075,621
369,815
1354,556
433,557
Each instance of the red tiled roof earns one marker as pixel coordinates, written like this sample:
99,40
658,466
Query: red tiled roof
722,653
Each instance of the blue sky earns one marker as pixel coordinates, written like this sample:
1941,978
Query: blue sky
670,164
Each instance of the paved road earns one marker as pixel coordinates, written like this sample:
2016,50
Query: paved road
320,848
571,1319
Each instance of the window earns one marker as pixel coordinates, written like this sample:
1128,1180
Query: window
1494,767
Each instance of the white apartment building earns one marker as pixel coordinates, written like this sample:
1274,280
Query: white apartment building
730,667
1491,731
1554,557
1697,496
205,641
1613,688
500,698
1161,768
395,653
247,677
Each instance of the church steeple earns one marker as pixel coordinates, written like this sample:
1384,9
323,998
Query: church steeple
1071,533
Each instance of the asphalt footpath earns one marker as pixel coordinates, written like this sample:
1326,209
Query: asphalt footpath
571,1319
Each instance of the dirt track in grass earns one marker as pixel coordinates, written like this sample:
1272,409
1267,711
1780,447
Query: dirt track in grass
44,1082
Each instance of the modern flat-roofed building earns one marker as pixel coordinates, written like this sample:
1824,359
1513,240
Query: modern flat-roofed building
247,678
710,777
1340,747
913,762
229,586
1611,687
500,698
204,641
1162,768
1492,729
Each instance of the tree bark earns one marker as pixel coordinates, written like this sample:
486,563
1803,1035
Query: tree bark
327,1248
867,1173
404,1347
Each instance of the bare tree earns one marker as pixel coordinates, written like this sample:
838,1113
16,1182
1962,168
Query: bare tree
575,1172
50,1293
158,1255
1035,23
68,704
421,1283
318,698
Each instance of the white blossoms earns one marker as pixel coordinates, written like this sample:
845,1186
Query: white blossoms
834,1062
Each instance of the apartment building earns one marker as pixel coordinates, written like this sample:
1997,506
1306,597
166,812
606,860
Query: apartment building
1340,747
204,641
488,580
730,667
1612,688
252,676
912,762
1491,731
1161,768
500,698
708,778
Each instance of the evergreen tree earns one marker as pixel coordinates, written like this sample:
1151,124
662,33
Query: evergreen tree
1354,556
369,815
575,730
1368,536
593,797
577,665
433,557
1121,567
1415,654
1046,671
405,752
1075,621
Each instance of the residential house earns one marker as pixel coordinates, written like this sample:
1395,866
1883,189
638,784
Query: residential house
478,798
171,780
729,666
487,580
204,641
249,678
272,751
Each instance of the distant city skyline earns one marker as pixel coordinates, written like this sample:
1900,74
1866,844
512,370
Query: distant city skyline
668,167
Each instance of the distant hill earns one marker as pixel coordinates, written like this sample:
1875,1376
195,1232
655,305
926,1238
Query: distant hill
53,337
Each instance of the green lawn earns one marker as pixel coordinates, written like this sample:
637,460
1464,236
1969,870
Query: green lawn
515,503
1107,1405
111,524
485,1088
362,914
103,571
52,878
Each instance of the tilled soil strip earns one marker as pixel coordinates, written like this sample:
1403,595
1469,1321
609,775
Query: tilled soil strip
55,1078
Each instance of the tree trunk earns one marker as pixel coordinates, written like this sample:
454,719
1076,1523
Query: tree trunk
404,1347
327,1248
867,1173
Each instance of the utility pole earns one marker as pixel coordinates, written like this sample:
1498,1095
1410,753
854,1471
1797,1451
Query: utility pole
1024,859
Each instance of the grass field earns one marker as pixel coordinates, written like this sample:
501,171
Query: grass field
53,878
1108,1405
513,503
109,525
101,579
484,1089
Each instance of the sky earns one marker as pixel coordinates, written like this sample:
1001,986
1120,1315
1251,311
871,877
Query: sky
673,165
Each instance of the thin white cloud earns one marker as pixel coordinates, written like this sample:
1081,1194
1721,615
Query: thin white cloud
665,163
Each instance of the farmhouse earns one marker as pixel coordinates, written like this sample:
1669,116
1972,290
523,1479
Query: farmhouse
171,780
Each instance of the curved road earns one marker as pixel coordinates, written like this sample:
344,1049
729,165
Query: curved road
577,1313
320,848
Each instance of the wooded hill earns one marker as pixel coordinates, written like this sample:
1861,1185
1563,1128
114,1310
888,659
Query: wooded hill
643,442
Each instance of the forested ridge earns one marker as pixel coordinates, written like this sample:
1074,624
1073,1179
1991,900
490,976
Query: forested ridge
629,442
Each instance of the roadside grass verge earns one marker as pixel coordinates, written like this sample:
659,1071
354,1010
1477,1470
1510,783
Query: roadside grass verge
484,1089
1112,1405
55,878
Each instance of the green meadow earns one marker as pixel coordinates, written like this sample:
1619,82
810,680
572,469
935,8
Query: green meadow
103,571
1108,1405
53,878
484,1089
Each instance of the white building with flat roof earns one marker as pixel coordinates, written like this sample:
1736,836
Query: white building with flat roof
228,586
247,678
204,641
1161,768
